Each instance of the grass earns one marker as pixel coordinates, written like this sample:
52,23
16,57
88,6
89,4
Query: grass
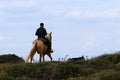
104,67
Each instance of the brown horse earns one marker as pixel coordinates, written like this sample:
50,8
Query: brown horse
40,48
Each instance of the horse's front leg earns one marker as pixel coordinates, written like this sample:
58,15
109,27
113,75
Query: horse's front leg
43,58
40,58
50,56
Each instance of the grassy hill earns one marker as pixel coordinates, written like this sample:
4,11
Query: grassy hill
104,67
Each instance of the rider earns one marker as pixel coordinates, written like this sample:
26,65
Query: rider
41,32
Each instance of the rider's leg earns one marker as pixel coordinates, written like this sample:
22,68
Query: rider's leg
48,43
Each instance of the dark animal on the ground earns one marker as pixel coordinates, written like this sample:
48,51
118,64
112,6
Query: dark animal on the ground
76,59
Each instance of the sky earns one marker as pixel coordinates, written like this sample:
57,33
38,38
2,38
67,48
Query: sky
79,27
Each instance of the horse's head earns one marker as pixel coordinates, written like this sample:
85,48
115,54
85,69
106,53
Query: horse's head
49,36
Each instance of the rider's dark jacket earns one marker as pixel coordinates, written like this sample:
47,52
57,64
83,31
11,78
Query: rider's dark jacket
41,32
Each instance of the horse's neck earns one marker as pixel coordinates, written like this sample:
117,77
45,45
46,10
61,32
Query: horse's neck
48,36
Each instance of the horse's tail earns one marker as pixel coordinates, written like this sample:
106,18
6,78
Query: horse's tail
32,52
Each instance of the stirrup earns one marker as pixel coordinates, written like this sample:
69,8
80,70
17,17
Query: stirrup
51,51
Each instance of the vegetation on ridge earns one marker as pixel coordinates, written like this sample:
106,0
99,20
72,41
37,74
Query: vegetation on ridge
104,67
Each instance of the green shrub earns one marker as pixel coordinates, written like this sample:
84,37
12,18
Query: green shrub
41,71
72,69
10,58
113,58
5,77
106,61
105,67
109,75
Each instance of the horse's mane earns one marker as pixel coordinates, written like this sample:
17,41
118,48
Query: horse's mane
48,36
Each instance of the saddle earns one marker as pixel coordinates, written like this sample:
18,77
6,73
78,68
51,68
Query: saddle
44,41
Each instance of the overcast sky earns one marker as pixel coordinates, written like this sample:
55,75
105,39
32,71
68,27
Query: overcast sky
79,27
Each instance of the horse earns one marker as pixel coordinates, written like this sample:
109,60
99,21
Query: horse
39,47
